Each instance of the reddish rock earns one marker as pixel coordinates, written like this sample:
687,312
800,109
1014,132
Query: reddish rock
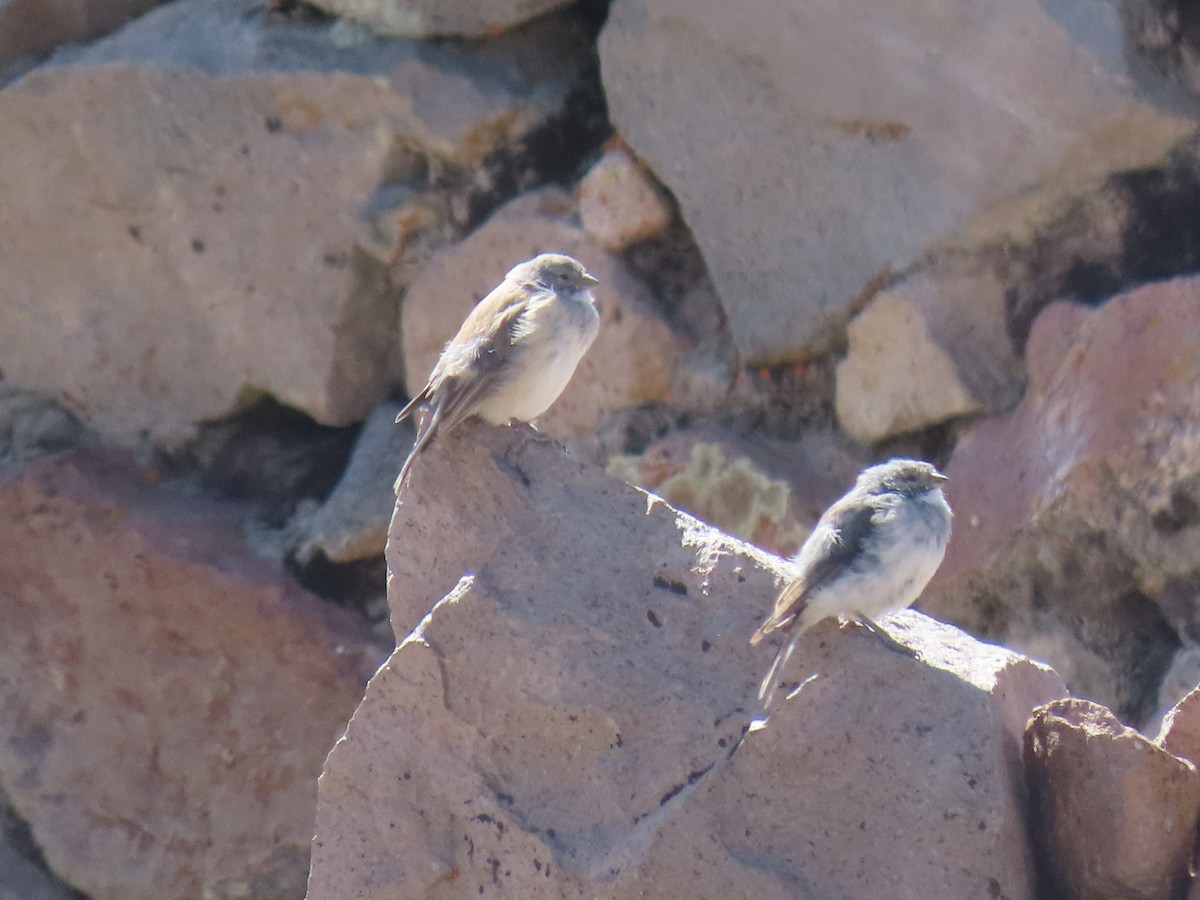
1114,816
1075,512
1181,729
560,723
166,697
632,362
1181,679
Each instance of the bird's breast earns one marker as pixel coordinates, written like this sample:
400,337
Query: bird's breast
543,361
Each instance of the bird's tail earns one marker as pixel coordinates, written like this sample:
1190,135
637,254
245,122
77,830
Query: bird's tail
770,683
774,676
425,435
412,404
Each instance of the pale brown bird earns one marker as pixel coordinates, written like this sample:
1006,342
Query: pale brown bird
514,354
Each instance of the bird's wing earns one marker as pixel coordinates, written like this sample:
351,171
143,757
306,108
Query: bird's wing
469,370
833,545
412,405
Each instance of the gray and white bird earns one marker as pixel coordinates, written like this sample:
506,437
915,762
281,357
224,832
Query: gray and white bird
871,554
514,354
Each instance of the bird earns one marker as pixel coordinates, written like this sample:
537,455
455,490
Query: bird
872,553
514,353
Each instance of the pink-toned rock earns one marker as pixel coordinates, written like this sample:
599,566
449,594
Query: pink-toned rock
441,18
816,147
620,204
185,203
632,362
30,28
933,348
560,723
1181,729
166,697
1074,511
1114,815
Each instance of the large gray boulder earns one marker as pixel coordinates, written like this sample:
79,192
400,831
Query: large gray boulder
560,718
817,148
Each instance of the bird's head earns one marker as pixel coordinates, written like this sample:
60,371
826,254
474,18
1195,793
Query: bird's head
557,272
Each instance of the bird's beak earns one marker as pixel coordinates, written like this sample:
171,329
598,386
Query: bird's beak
589,278
938,476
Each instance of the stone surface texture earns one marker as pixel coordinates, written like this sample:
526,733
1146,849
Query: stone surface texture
1076,512
925,351
166,697
441,18
814,148
560,721
1180,732
188,202
633,360
619,203
1115,815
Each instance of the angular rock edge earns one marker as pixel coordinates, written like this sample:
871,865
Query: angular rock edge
560,718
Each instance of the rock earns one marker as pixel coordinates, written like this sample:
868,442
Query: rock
441,18
815,149
1114,814
619,203
926,351
560,723
1180,734
1076,511
1181,678
632,362
352,523
187,202
31,28
167,696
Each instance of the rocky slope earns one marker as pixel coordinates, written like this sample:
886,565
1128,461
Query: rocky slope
234,235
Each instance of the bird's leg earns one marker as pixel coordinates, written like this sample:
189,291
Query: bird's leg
888,641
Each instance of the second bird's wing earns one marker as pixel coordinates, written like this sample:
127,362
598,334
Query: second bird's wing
833,545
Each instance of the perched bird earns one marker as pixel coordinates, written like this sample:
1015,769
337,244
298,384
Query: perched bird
514,354
872,553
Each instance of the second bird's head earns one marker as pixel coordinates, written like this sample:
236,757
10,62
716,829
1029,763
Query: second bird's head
907,477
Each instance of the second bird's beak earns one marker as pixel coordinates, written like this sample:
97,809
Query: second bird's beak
938,476
589,278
